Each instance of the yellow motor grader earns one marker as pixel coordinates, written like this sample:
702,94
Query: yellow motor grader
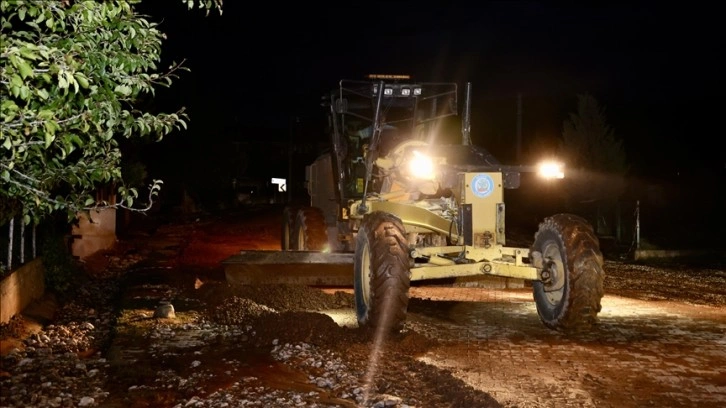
395,199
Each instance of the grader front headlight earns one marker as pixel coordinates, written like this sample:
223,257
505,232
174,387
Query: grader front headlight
551,170
421,166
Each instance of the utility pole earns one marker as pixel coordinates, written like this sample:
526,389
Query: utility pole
466,123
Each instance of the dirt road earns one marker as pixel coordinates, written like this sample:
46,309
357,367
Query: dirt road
644,353
661,340
647,351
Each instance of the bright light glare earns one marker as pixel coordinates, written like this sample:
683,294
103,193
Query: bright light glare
551,170
421,166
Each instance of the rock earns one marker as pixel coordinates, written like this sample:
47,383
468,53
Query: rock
165,311
86,402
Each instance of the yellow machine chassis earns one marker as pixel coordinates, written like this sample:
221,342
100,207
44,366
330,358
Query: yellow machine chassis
497,260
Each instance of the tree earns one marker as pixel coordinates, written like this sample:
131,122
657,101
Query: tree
73,77
594,156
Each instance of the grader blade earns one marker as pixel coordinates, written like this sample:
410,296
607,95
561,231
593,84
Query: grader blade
289,267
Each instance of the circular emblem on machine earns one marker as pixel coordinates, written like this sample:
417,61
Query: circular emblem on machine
482,185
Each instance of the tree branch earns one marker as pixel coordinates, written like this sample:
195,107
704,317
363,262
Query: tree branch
22,175
44,195
20,123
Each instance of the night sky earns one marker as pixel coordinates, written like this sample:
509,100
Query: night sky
652,66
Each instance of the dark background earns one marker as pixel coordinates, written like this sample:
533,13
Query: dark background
258,73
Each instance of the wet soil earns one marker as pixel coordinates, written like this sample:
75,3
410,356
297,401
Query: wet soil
463,347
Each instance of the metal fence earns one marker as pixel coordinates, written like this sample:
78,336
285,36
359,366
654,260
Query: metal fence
19,244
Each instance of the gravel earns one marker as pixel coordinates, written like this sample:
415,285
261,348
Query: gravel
121,345
143,329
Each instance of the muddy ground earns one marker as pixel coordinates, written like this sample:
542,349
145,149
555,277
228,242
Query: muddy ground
463,347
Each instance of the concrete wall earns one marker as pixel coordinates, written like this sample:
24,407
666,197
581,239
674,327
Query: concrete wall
94,234
20,288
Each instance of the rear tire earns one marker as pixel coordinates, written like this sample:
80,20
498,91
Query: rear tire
288,223
568,296
310,232
382,275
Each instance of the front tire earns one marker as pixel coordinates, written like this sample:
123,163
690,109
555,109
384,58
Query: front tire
568,295
310,232
381,273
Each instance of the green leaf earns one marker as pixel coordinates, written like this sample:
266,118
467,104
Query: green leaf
75,140
62,81
49,137
51,126
25,69
6,176
40,18
7,144
8,105
124,90
82,80
45,114
26,52
16,80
